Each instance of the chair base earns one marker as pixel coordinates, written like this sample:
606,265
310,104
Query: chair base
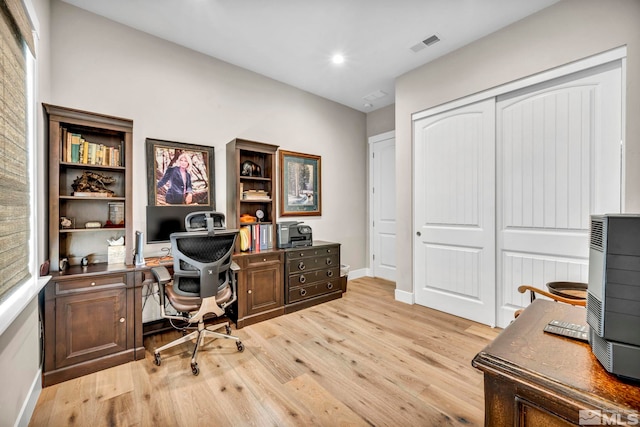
199,336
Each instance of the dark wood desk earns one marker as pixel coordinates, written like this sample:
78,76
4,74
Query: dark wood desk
532,378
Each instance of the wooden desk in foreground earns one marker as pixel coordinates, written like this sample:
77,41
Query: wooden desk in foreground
532,378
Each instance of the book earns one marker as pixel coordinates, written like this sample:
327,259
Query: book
266,241
75,148
65,148
85,151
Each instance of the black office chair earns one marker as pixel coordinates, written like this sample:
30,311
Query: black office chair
203,283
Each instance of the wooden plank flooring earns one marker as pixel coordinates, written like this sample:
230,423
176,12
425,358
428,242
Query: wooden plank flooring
364,359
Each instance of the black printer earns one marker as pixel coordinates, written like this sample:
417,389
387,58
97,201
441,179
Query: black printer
293,234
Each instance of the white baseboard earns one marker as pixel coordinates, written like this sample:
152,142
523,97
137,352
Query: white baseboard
404,296
356,274
29,404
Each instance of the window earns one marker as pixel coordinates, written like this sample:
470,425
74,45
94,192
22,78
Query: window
17,220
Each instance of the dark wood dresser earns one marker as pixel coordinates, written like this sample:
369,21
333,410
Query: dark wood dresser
532,378
312,275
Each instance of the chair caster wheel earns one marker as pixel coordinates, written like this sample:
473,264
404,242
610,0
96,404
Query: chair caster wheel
228,328
194,369
156,359
240,346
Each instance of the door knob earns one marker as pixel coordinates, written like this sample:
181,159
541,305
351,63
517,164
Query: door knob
418,234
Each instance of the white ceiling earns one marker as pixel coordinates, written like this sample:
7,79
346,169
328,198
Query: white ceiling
292,41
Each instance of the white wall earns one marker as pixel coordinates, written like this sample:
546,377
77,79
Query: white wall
565,32
176,94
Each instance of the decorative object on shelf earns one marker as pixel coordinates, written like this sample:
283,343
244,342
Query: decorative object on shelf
44,268
92,184
66,222
64,263
84,261
180,174
250,168
244,218
259,215
116,215
93,224
300,184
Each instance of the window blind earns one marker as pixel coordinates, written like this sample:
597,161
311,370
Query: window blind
14,165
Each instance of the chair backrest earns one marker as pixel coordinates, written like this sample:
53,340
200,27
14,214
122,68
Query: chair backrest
201,260
204,221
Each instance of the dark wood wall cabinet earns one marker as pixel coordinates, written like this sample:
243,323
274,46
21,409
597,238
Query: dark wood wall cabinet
91,314
92,321
532,378
260,291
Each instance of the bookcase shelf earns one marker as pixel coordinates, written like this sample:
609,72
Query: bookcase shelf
262,181
89,133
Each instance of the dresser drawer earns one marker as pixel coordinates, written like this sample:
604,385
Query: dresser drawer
261,259
310,277
90,283
309,252
311,290
306,264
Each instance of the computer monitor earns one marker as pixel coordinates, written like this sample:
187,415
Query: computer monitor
164,220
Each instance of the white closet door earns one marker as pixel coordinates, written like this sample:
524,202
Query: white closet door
454,215
558,161
383,172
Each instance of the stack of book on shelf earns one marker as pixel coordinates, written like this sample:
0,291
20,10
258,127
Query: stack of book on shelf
256,237
255,195
76,149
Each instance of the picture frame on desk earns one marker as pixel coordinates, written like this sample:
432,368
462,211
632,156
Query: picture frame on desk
180,174
300,184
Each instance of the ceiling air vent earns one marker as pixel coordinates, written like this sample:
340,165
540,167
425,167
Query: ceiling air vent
424,43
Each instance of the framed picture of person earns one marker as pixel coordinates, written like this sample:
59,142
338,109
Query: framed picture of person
300,184
180,174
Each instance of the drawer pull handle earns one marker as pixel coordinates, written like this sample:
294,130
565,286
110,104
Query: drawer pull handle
249,291
301,266
122,320
303,292
329,262
329,285
264,259
303,279
301,253
93,283
330,273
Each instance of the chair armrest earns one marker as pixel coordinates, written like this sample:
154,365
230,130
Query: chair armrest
161,274
524,288
234,266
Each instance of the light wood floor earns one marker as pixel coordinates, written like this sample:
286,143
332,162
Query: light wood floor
364,359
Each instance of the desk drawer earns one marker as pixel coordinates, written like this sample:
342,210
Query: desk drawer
299,265
262,259
91,283
309,252
308,291
302,279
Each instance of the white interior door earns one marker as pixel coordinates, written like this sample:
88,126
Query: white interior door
559,161
454,216
383,206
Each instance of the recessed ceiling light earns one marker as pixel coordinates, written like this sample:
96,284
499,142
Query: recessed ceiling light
337,59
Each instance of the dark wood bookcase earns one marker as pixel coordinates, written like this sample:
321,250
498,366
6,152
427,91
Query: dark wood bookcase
78,241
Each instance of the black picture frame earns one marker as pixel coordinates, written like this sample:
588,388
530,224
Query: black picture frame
300,184
163,172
